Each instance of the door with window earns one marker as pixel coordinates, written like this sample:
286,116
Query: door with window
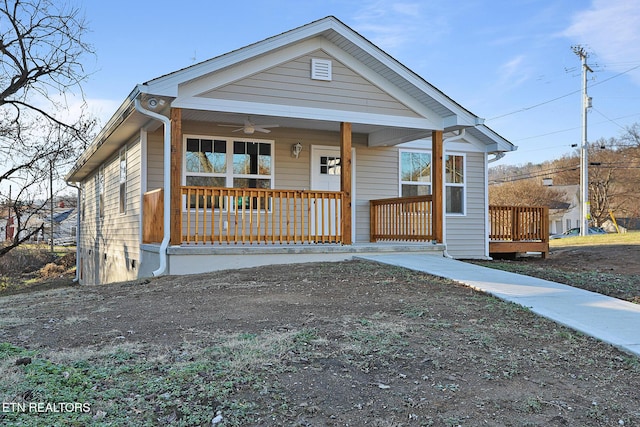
325,176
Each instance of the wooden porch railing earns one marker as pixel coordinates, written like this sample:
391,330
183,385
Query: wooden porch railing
252,215
402,218
519,229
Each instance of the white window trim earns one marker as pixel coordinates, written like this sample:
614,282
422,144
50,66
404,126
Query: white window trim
228,175
400,181
463,185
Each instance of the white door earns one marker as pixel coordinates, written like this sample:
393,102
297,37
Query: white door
325,176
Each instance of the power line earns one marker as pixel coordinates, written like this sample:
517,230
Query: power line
562,96
535,174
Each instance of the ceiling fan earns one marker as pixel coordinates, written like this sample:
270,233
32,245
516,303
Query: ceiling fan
250,127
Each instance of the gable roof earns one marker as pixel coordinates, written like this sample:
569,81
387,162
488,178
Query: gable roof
184,88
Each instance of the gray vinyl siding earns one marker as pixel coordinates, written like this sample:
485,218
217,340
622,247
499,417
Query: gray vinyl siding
376,178
466,235
291,84
110,246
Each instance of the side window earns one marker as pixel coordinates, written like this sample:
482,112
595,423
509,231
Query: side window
455,184
101,191
415,173
123,180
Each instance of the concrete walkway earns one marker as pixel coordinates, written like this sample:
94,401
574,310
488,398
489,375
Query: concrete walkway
608,319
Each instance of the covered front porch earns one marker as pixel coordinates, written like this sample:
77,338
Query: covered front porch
250,216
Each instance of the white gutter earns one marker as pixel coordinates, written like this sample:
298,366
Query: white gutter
167,184
497,157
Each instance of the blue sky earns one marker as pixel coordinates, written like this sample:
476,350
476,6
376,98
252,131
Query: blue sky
509,62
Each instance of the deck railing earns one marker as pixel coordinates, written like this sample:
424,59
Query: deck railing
253,216
519,223
402,218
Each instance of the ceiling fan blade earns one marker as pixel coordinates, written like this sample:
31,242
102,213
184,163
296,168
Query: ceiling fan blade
261,129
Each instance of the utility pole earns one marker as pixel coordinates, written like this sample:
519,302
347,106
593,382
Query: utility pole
51,201
585,206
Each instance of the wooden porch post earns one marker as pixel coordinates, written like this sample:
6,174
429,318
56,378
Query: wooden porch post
345,180
437,184
176,176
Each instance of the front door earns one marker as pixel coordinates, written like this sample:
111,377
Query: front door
325,176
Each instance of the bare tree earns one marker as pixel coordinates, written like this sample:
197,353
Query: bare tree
41,50
525,192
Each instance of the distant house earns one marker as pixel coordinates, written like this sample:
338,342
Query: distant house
310,145
565,215
64,225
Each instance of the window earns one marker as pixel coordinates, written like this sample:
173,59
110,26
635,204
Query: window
123,180
83,191
329,165
221,162
415,173
101,191
454,184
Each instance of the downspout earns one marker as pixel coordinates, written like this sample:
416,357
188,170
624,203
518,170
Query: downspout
167,184
457,137
78,207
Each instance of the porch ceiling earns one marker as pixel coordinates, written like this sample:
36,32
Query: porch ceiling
284,122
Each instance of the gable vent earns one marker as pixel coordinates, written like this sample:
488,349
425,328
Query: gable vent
321,69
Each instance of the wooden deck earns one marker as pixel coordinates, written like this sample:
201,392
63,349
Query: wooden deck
519,229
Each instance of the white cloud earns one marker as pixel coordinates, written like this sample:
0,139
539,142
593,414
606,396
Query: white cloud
514,72
395,25
611,30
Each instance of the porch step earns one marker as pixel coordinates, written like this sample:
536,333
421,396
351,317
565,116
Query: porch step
276,249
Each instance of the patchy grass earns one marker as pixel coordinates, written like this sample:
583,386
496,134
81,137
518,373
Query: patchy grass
630,238
352,343
32,267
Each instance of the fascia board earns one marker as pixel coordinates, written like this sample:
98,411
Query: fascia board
300,112
168,85
206,83
469,119
384,84
500,143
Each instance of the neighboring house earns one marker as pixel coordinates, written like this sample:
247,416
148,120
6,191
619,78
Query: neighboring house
29,221
64,225
565,215
281,152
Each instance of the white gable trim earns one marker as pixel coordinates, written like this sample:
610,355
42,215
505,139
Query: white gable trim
212,81
168,85
208,83
251,108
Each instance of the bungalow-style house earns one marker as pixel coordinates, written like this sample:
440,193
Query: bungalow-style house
310,145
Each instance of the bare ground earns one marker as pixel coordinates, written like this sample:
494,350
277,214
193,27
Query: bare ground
376,345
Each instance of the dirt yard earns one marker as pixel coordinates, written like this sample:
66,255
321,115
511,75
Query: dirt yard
359,344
